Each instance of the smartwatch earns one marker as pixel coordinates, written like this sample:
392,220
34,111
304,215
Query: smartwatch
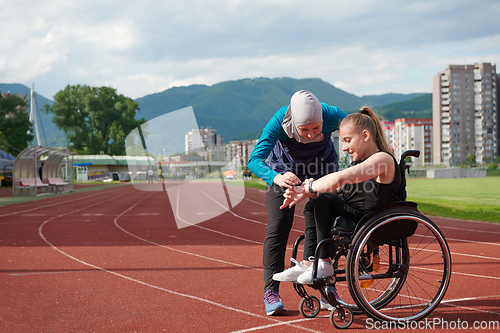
311,187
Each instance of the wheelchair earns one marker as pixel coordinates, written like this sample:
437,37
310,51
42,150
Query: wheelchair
392,265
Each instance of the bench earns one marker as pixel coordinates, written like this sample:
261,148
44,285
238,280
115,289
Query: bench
56,182
32,182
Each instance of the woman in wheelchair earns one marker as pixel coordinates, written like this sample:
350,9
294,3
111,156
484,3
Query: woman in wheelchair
370,182
397,263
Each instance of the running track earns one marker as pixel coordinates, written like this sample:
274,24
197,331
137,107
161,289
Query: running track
113,260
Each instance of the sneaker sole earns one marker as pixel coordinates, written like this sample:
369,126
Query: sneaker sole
280,279
327,307
276,312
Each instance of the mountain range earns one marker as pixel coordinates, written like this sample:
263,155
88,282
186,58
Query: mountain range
240,109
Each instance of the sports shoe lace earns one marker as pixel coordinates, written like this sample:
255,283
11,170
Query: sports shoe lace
295,261
271,297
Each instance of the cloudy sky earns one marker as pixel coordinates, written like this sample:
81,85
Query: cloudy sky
144,47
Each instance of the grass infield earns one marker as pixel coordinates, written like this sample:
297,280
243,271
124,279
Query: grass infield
460,198
476,199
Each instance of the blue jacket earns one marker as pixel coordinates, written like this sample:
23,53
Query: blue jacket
306,160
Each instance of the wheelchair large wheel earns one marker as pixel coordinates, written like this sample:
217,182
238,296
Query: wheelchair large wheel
413,275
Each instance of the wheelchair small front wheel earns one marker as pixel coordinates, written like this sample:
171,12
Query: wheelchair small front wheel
341,317
309,306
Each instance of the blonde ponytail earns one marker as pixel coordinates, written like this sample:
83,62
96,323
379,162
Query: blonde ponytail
366,118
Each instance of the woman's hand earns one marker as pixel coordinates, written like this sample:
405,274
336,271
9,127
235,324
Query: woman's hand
296,194
293,195
288,179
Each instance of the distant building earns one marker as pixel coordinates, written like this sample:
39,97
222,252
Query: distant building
498,114
465,114
410,134
202,140
216,154
241,149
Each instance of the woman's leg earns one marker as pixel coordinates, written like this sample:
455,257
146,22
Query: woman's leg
279,224
326,207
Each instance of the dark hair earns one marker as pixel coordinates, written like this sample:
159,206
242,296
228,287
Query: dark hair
366,118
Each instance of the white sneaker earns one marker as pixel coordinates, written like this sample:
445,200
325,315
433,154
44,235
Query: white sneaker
324,269
292,273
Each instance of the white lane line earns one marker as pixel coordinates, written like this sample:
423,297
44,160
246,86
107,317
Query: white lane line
455,253
263,204
471,230
455,273
238,216
57,203
40,232
447,302
177,250
258,328
473,242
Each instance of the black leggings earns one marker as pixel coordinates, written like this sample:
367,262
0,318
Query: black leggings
279,224
326,208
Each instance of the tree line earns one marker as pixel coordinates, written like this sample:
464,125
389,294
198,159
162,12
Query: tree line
15,126
94,119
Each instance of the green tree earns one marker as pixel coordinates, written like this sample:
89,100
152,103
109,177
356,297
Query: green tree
15,126
471,160
94,119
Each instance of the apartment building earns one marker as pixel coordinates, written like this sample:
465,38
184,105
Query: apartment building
240,149
498,114
410,134
465,114
201,140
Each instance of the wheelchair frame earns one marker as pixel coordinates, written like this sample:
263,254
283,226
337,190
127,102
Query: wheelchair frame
396,234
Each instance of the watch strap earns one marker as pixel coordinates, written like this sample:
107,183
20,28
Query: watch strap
311,187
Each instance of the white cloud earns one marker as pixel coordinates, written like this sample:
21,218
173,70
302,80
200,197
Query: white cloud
365,47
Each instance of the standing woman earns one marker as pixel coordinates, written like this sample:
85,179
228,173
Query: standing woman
298,140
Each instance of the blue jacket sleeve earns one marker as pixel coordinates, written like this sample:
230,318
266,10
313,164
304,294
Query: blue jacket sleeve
270,135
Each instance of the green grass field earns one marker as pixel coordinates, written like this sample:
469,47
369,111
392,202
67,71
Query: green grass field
460,198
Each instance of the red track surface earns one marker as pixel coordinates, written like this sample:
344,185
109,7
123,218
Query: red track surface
113,260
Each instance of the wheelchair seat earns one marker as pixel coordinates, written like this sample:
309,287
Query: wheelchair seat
343,224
